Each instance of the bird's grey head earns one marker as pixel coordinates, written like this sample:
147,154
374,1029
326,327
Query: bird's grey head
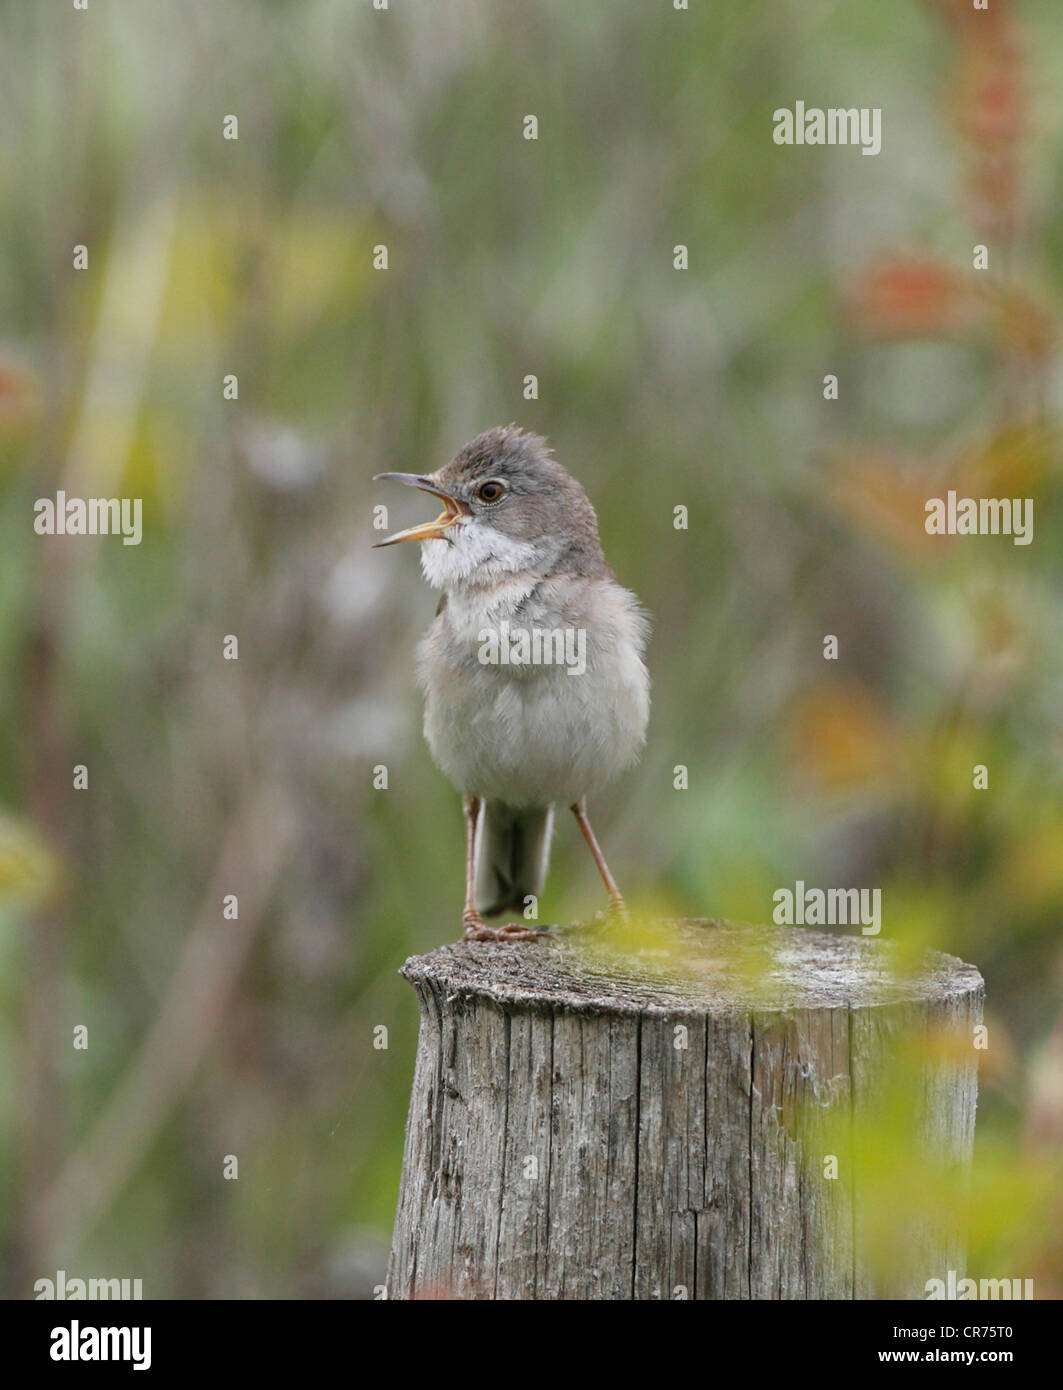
509,508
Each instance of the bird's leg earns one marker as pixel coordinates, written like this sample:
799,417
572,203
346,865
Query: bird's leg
474,928
616,902
471,921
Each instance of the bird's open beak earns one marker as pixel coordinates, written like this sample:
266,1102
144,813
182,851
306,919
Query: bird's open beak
428,530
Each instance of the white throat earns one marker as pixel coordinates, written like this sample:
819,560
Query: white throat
474,554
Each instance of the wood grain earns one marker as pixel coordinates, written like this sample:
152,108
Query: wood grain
604,1117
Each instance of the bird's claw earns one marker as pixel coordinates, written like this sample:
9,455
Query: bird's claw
617,911
474,928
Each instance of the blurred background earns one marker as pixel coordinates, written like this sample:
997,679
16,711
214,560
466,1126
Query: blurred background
254,1037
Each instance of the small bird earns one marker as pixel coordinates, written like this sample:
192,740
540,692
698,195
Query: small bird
535,689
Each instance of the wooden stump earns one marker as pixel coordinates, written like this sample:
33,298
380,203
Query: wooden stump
628,1115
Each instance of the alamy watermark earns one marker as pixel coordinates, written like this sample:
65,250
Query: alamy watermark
534,646
982,516
64,1287
92,516
812,125
956,1289
828,907
77,1343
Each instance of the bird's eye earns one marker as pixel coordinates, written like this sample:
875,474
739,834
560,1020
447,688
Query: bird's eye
490,491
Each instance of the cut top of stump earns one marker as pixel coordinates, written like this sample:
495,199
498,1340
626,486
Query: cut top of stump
692,965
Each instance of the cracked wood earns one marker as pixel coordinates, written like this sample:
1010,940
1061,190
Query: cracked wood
601,1118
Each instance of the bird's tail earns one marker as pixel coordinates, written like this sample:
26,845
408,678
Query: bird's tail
511,854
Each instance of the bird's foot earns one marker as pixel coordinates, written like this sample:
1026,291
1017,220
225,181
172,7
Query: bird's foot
617,910
474,928
614,915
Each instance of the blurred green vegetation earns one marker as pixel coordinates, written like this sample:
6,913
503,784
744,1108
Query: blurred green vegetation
657,388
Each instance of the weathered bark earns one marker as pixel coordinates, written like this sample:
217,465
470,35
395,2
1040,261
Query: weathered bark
658,1122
